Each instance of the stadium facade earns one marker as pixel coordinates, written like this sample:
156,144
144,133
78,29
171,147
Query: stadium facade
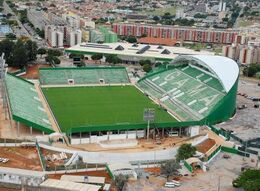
190,91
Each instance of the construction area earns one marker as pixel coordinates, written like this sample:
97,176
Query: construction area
21,157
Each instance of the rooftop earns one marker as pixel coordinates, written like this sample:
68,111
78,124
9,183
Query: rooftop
136,50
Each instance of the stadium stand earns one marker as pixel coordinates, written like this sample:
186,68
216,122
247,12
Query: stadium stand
190,92
25,104
90,75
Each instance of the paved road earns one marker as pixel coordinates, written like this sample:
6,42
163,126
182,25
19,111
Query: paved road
9,10
109,157
24,29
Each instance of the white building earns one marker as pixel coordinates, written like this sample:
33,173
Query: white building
72,20
20,176
74,37
180,13
54,36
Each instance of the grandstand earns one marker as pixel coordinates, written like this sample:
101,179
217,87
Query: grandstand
26,106
84,76
189,89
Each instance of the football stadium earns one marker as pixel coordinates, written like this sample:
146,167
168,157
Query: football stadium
103,103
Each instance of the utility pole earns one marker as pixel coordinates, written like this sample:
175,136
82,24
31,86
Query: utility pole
149,114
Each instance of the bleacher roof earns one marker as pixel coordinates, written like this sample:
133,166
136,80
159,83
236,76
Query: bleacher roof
225,69
133,50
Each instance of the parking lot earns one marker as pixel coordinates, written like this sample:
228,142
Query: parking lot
246,123
219,177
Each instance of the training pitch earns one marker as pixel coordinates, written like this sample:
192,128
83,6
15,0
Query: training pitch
86,107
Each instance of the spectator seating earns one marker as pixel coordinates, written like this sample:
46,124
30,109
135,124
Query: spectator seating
25,103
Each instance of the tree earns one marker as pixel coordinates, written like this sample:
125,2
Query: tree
53,52
200,16
170,168
40,32
20,57
251,70
6,46
185,151
41,51
143,62
112,59
31,48
55,60
131,39
120,181
249,180
156,18
10,36
147,67
97,56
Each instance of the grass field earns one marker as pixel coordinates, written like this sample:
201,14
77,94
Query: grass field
90,106
160,11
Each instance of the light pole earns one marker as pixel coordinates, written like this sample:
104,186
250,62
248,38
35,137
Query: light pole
149,114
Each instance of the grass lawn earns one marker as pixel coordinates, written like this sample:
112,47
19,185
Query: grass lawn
89,106
160,11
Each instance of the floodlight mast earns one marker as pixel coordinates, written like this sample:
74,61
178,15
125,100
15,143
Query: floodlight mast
149,114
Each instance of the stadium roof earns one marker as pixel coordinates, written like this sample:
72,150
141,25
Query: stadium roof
225,69
134,51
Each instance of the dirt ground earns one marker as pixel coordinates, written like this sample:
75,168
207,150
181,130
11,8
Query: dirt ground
205,145
32,71
24,158
101,173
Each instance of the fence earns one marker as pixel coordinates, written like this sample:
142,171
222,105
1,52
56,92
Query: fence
81,166
189,167
213,154
222,132
42,159
234,151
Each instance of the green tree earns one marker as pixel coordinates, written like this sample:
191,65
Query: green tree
251,70
53,52
200,16
7,46
97,56
170,168
41,51
120,181
249,180
40,32
31,48
10,36
56,60
112,59
143,62
131,39
147,67
20,57
185,151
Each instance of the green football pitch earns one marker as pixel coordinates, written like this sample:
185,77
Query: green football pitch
99,106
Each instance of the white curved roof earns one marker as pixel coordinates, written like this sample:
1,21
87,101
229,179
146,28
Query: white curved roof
224,68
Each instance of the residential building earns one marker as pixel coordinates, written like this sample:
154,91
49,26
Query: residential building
192,34
54,36
74,37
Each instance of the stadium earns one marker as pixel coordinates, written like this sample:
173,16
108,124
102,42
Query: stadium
103,103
